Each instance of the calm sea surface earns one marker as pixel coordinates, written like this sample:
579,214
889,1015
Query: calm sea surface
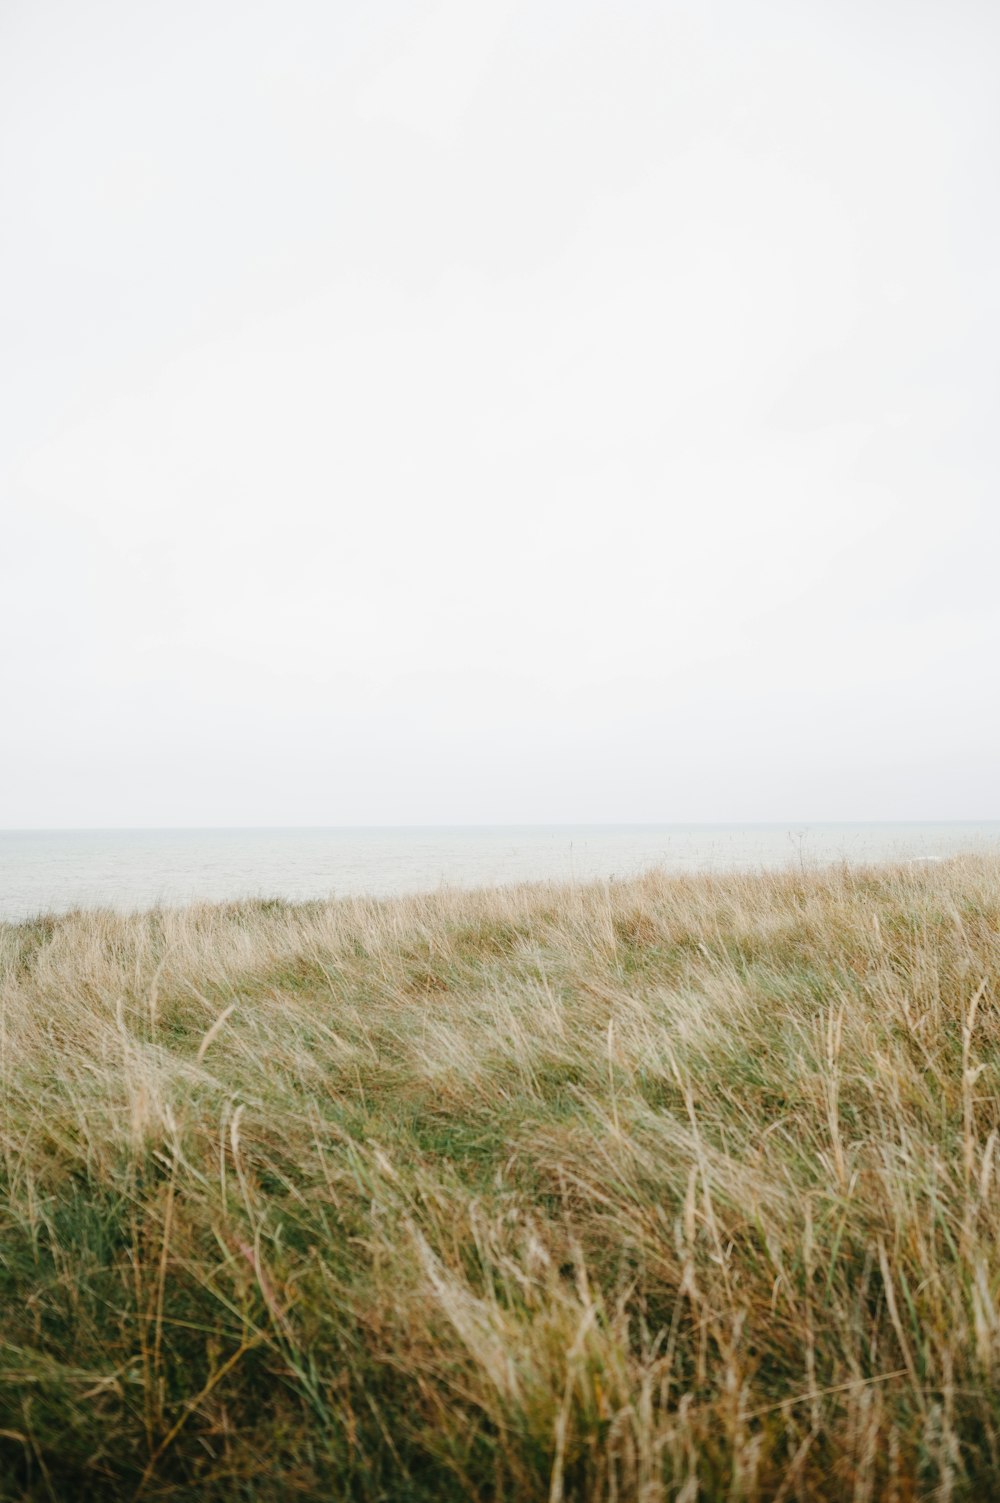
52,870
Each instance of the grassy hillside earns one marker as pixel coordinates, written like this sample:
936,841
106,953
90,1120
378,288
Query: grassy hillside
669,1189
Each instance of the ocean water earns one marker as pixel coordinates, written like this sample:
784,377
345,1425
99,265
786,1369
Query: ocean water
44,871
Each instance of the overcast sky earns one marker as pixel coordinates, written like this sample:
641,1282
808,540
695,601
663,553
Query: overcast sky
499,410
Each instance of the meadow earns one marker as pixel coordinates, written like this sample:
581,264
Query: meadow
659,1189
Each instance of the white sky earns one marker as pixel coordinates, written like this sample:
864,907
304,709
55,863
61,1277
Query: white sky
490,410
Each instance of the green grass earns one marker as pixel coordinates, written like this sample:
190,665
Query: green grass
658,1190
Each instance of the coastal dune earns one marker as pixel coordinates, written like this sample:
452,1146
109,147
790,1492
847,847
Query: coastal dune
667,1188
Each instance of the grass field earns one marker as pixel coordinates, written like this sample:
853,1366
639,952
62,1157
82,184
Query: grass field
665,1189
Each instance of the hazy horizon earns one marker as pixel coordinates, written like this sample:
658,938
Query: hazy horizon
564,824
440,415
50,871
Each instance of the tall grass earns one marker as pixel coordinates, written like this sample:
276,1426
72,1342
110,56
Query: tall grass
662,1189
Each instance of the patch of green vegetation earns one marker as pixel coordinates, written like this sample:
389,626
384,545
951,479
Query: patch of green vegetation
648,1190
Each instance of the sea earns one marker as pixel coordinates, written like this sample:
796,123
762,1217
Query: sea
53,871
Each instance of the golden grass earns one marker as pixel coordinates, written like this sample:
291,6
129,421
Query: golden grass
664,1189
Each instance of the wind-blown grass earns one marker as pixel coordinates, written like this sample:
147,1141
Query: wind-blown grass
662,1189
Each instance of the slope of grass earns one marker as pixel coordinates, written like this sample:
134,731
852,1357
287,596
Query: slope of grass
663,1189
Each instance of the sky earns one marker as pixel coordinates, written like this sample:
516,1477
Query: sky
491,411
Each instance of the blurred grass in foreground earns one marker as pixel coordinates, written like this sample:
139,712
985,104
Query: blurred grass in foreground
662,1189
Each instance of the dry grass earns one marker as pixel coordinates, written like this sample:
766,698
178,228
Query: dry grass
668,1189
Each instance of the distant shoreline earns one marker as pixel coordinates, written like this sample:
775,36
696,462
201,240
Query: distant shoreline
131,870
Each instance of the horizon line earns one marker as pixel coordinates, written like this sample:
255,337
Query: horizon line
607,824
